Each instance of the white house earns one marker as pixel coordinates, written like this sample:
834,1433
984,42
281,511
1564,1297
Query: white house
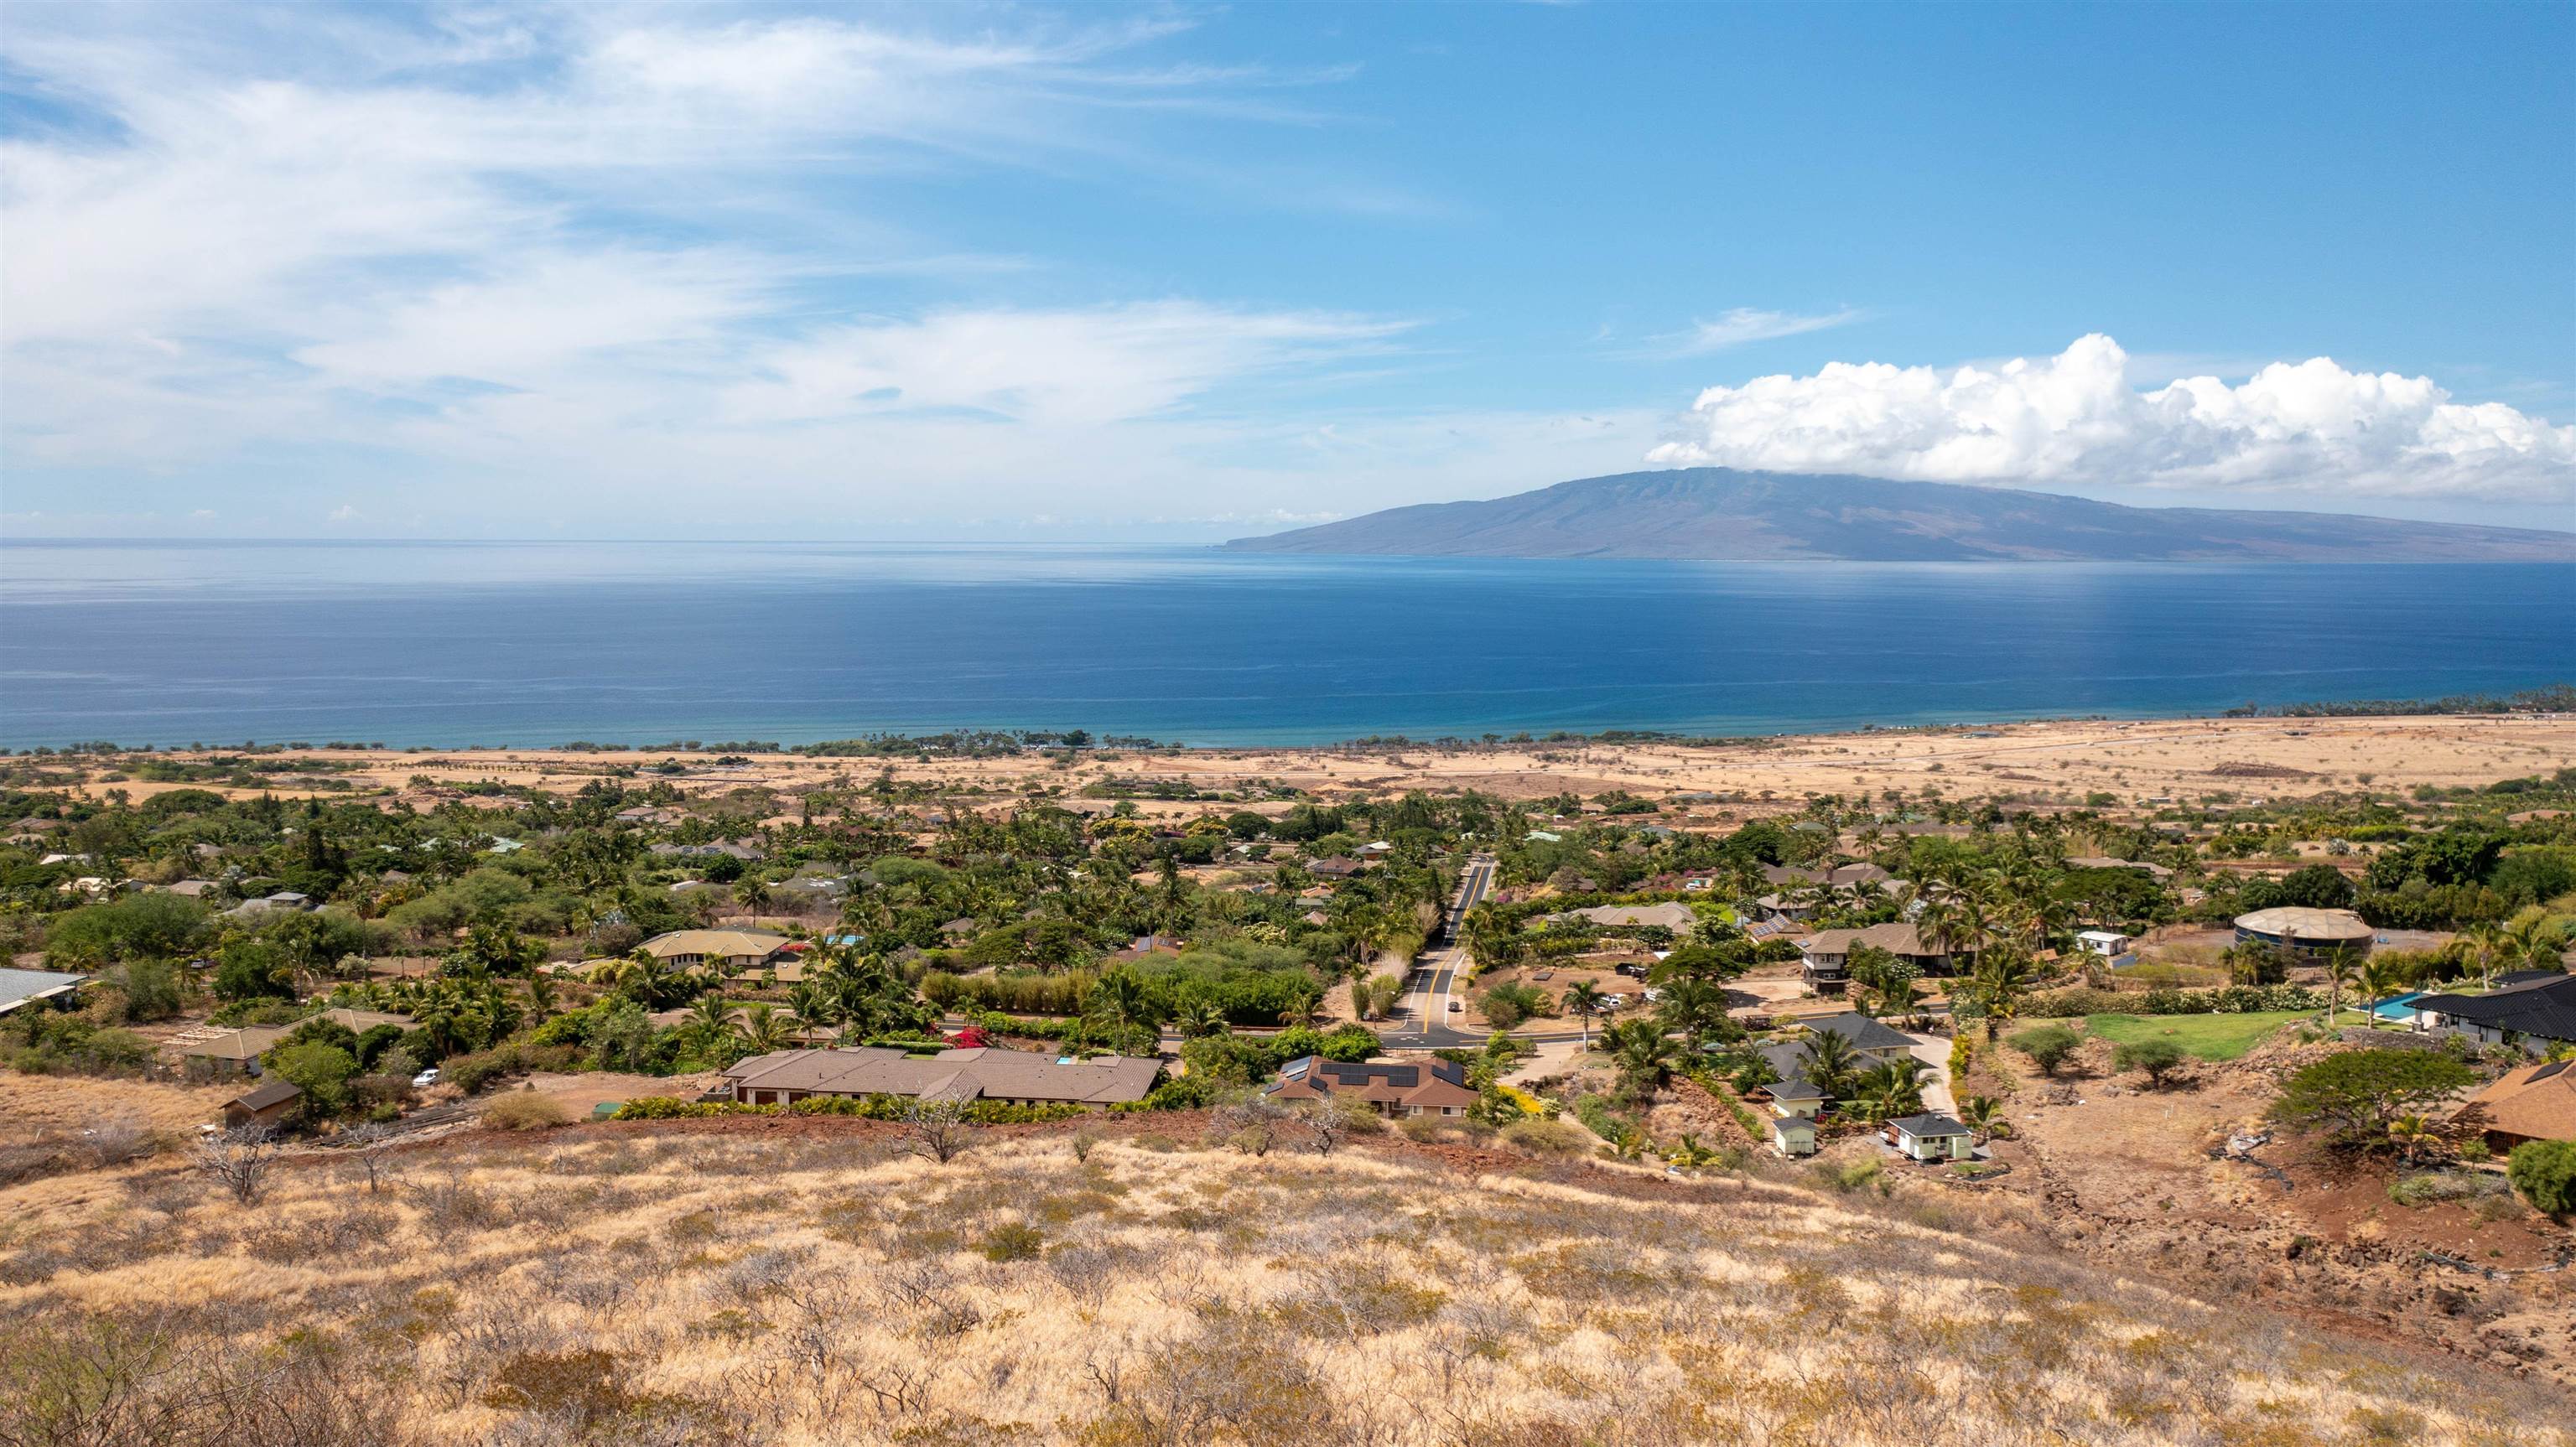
2108,943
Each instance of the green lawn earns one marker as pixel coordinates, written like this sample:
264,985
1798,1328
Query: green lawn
2210,1037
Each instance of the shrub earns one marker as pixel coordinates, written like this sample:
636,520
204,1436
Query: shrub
526,1110
2048,1046
2435,1187
1547,1137
2545,1173
1849,1176
2157,1059
1013,1241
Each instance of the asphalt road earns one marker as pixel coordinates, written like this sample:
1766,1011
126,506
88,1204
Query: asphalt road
1433,981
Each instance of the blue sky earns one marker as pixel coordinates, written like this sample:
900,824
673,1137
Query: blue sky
1183,273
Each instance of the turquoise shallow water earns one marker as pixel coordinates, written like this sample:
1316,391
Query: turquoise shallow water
542,643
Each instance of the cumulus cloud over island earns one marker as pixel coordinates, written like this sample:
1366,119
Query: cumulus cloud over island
2081,417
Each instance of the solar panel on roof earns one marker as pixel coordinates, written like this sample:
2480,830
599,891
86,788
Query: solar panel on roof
2552,1068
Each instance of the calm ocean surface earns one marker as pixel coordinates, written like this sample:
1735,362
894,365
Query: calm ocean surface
542,643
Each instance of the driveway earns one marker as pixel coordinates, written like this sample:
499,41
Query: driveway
1934,1050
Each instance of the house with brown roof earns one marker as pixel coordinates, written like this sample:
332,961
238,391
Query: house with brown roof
237,1052
1335,866
718,949
262,1105
1434,1088
1011,1077
1827,953
2535,1103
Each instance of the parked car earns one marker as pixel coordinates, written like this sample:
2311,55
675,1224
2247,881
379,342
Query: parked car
425,1079
1455,1005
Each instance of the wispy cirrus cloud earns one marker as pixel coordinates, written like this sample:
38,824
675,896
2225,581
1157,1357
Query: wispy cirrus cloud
1742,326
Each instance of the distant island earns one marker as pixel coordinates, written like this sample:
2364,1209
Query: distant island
1717,513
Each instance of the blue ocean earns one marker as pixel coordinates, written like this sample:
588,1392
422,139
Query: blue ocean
544,643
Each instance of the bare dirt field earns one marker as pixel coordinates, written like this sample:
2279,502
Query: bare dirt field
2060,762
2141,1178
31,1105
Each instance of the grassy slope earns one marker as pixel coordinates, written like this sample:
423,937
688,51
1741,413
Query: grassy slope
804,1287
2210,1037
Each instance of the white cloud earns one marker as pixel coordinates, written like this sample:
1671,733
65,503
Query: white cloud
1741,326
1087,367
2081,418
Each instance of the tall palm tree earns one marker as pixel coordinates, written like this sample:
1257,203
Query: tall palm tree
710,1016
2485,944
761,1028
1582,1000
2001,978
2343,971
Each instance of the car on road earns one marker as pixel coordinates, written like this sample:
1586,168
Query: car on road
1455,1005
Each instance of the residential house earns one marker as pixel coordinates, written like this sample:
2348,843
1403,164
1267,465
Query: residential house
1432,1088
1014,1077
2099,861
748,854
1335,866
266,1104
1794,1104
27,987
1146,947
2535,1103
2535,1015
237,1052
1827,953
1930,1137
285,901
1871,1043
2110,944
729,950
1846,875
1679,918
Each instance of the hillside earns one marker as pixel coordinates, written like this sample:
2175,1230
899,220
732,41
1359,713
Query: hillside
1720,513
802,1281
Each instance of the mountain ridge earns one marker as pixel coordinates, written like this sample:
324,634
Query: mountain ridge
1721,514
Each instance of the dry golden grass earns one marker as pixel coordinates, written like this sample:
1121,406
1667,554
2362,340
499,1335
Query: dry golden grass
639,1287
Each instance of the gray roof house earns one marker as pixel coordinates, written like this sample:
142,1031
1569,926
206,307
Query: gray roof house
1013,1076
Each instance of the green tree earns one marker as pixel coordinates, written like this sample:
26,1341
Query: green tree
2545,1173
2048,1046
2157,1059
1582,1000
2357,1093
321,1071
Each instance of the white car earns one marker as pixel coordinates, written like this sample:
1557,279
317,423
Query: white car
425,1079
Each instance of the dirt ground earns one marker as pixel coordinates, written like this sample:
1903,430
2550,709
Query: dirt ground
580,1092
33,1105
2045,762
2141,1177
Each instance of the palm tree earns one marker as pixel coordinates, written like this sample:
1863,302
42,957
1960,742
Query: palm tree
2412,1135
1582,1000
2343,970
2001,978
751,894
761,1029
1644,1056
1202,1017
1122,1000
2485,944
1983,1115
541,996
1690,1155
710,1016
1830,1058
